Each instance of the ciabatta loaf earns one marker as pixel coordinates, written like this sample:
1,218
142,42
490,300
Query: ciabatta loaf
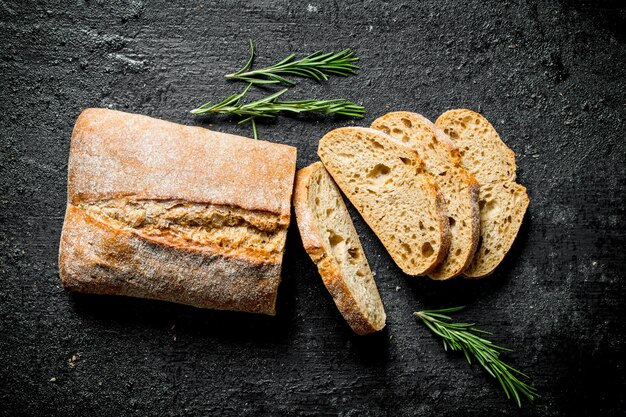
502,202
332,242
176,213
387,184
458,187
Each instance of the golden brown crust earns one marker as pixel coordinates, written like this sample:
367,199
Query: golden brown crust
305,217
98,259
118,157
474,190
113,156
328,267
343,298
444,231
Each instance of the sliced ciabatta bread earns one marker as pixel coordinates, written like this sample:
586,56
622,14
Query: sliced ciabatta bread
459,188
502,202
387,184
482,151
502,208
332,242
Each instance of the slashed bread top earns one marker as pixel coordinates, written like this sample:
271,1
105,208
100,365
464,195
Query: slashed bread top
116,154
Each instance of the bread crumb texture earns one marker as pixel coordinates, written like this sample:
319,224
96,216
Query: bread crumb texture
386,182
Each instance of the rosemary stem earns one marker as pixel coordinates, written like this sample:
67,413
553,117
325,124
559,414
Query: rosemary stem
466,338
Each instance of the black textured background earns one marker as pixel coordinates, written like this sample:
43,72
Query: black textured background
550,76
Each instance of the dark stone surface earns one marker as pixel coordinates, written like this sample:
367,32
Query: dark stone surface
549,75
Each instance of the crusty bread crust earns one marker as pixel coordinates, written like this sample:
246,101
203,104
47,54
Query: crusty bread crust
327,266
115,154
459,188
123,157
98,258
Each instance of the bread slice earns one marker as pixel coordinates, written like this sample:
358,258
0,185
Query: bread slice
502,208
459,188
387,184
502,202
332,242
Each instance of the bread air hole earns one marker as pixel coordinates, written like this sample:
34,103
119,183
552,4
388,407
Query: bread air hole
406,122
427,249
452,221
377,145
353,256
380,170
397,133
335,239
486,206
407,248
405,161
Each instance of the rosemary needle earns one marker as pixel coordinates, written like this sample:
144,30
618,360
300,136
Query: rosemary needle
318,66
465,337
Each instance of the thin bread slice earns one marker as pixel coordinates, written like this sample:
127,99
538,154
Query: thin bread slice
333,244
459,188
502,202
482,151
387,184
503,205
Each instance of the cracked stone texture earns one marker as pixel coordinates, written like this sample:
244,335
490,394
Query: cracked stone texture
549,75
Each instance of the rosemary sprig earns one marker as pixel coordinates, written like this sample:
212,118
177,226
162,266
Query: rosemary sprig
270,106
465,337
317,65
